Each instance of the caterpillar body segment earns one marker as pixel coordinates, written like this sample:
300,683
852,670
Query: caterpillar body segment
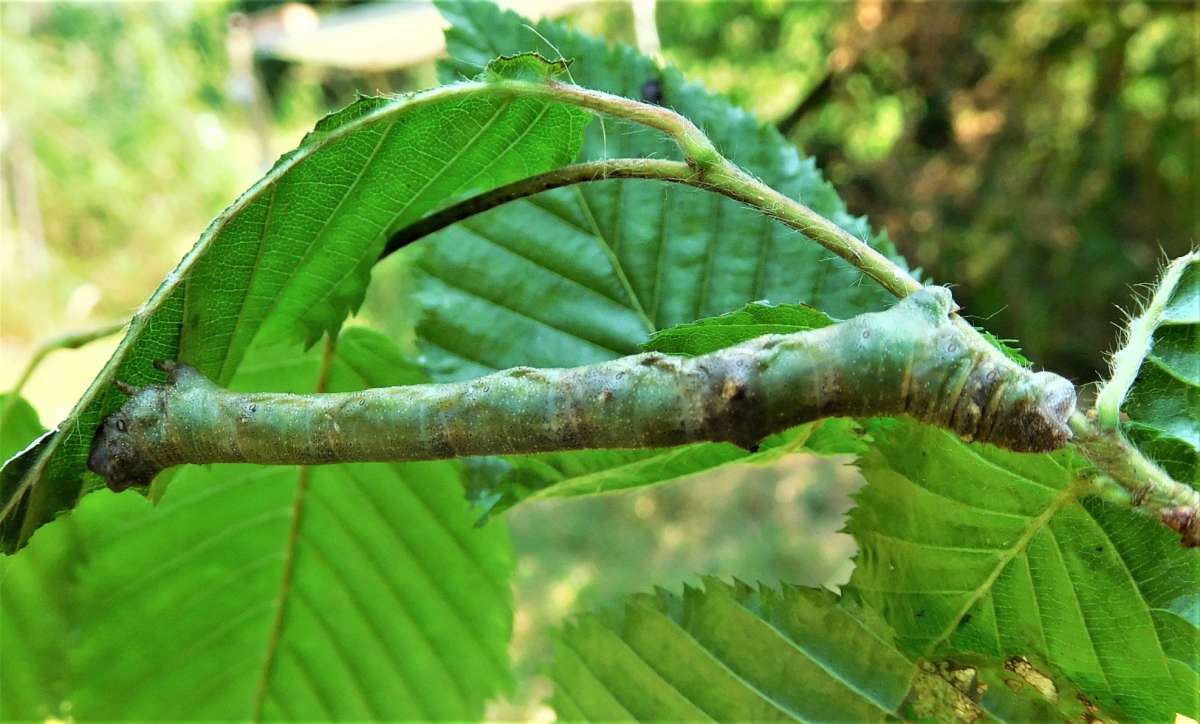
915,359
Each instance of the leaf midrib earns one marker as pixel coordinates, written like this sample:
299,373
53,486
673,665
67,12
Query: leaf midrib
829,669
314,242
281,601
1066,496
504,105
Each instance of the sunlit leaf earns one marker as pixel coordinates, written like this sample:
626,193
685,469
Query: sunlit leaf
753,320
971,549
292,256
1161,407
739,653
730,652
336,592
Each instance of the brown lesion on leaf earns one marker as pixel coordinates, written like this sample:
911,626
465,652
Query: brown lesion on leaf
1028,674
957,690
944,692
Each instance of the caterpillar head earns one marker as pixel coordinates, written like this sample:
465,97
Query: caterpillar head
1038,409
1034,408
132,446
119,449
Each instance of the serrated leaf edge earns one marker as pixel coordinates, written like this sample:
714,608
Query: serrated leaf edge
329,128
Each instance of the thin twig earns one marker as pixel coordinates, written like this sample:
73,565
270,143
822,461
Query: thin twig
621,168
69,340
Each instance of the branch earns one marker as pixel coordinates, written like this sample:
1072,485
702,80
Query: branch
912,359
621,168
717,173
1124,471
707,169
1118,462
1101,436
68,340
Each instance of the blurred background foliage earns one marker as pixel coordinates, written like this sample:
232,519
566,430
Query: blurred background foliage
1041,156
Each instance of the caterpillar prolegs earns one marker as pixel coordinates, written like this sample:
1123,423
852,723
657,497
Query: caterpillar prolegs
914,359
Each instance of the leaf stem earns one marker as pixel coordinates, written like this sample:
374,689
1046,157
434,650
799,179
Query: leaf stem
1136,479
1128,360
68,340
717,173
730,182
580,173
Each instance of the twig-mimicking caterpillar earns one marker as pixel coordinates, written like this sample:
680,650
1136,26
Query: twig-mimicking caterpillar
915,359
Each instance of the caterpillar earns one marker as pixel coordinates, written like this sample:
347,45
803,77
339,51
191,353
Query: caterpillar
914,359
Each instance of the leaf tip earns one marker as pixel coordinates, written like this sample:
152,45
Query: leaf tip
530,66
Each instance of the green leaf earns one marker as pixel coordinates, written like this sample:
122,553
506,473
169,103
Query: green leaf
580,275
21,443
39,604
753,320
972,549
737,653
584,274
496,484
337,592
19,425
293,254
1155,386
730,652
525,66
1005,346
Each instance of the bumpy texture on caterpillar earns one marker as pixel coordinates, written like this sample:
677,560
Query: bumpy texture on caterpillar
914,359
